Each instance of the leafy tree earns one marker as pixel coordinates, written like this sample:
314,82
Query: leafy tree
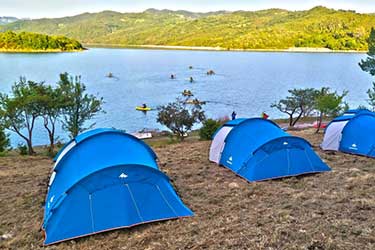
4,140
180,117
209,128
300,103
371,95
52,108
329,103
78,106
19,111
368,65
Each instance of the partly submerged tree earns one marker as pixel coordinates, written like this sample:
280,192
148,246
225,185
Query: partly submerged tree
368,65
329,103
300,102
20,110
180,117
78,106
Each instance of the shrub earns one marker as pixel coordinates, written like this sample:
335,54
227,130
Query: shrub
180,116
209,128
22,149
4,141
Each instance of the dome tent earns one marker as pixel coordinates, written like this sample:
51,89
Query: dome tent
106,179
219,138
353,132
258,149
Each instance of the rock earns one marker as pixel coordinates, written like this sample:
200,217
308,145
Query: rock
6,236
233,185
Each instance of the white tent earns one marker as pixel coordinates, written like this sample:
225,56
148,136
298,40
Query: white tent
332,135
218,143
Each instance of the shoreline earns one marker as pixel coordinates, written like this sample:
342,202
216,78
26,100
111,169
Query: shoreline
220,49
29,51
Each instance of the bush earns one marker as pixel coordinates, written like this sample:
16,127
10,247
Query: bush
208,129
22,149
4,141
180,116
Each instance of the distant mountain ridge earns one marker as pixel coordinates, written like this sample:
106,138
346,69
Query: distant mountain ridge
318,27
7,19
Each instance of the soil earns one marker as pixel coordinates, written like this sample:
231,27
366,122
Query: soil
332,210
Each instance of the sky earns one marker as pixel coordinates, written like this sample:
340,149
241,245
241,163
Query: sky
60,8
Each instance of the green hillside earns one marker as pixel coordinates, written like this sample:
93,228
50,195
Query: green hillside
29,42
268,29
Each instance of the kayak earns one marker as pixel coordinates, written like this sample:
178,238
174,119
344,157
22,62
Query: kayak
143,109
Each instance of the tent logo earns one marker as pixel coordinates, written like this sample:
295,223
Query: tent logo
123,176
353,146
229,161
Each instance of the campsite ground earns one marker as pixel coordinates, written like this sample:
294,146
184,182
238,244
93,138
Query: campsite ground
333,210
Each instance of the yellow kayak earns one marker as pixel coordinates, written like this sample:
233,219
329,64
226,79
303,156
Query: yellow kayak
143,109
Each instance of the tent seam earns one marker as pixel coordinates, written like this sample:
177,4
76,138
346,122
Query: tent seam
135,204
162,195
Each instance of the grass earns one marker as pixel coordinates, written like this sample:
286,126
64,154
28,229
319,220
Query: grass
332,210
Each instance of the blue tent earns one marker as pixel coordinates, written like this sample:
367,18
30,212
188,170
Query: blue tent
106,179
258,149
353,132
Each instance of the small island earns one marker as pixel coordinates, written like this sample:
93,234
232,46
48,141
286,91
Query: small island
27,42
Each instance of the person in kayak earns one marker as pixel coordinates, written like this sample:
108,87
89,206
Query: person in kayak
234,114
144,105
191,79
173,76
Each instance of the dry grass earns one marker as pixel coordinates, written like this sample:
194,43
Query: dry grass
333,210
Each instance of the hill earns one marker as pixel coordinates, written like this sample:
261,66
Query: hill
33,42
7,19
319,27
333,210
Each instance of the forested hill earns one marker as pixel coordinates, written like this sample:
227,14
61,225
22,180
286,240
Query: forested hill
32,42
267,29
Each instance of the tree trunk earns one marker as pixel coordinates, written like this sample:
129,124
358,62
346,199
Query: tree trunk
291,120
51,134
30,147
28,140
297,119
319,122
51,144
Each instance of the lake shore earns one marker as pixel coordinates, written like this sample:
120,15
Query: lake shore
10,51
207,48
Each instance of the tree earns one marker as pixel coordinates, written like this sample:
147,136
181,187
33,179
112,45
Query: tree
4,140
180,116
51,111
371,95
209,128
78,106
368,65
300,103
20,110
329,104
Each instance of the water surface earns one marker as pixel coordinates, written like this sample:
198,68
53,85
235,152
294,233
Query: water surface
247,82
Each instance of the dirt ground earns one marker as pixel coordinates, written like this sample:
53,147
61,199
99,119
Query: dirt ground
332,210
